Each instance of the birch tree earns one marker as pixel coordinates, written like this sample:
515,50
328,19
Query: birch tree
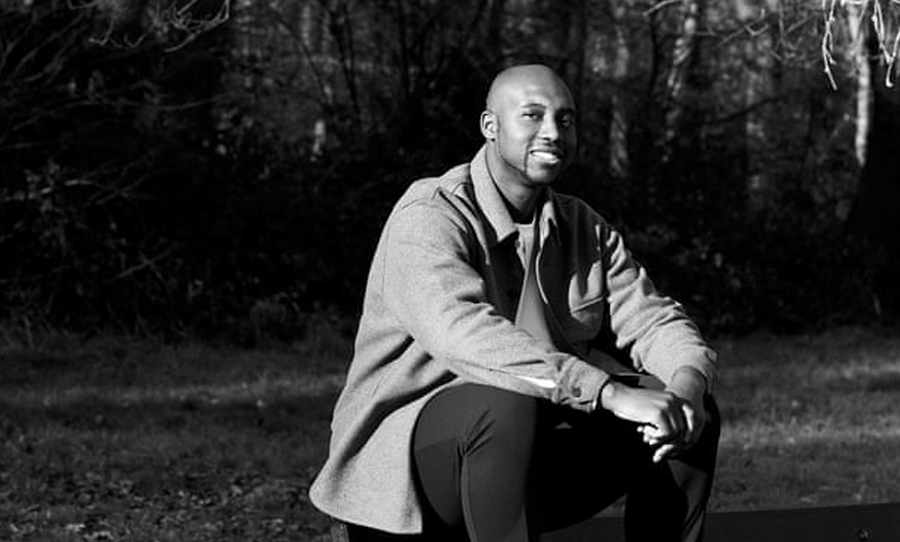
677,91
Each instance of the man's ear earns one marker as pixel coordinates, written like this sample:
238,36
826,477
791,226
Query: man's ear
488,125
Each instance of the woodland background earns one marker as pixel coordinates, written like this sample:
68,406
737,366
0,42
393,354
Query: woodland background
222,168
191,192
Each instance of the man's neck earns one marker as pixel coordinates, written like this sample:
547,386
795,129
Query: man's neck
520,200
522,214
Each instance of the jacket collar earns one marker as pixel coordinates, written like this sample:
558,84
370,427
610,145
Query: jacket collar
494,208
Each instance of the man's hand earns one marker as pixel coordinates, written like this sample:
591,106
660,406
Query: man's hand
670,420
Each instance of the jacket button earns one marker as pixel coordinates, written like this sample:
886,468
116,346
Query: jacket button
576,392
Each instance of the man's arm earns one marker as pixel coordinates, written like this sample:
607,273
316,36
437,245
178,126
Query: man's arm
662,340
652,328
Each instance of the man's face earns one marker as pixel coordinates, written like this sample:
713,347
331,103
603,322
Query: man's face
534,129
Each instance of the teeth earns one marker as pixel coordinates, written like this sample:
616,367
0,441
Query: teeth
545,155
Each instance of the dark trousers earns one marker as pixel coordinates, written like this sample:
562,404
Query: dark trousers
493,465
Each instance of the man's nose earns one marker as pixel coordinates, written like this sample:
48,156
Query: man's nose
549,129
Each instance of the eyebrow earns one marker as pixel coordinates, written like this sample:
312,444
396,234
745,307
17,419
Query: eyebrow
562,110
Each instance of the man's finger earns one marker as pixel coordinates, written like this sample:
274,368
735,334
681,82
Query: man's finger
653,436
664,452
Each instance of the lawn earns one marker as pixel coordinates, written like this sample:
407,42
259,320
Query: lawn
115,438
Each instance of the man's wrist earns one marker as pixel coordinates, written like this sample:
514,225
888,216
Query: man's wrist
605,393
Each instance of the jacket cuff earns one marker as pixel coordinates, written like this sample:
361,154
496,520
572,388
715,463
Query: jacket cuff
583,389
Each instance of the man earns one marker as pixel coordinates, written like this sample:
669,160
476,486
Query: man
471,407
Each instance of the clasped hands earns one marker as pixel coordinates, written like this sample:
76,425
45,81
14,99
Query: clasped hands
670,420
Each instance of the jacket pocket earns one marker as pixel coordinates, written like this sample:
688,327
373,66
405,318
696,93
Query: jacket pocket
586,319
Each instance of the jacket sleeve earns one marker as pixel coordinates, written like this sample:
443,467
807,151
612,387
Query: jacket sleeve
653,328
437,296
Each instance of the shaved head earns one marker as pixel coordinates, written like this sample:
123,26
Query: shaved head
518,77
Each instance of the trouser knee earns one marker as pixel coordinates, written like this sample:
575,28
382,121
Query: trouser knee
470,441
477,416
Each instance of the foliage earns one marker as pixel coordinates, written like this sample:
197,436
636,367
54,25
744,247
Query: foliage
204,178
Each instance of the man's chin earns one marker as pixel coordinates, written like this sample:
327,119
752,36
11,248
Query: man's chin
545,176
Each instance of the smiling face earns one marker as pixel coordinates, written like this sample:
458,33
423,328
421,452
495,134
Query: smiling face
529,125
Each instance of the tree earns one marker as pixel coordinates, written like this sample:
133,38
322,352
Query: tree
187,161
619,158
679,93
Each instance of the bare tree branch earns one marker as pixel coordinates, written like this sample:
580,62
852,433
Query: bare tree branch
164,19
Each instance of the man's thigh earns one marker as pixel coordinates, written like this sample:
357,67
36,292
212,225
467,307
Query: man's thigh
583,463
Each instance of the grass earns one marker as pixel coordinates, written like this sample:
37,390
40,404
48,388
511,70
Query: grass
112,438
810,420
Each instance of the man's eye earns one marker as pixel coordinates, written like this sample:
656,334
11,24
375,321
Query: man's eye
567,122
531,115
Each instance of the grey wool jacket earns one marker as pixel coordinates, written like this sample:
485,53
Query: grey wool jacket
439,308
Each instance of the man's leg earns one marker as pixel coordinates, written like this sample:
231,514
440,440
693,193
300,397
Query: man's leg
594,459
583,464
501,466
496,465
667,501
472,451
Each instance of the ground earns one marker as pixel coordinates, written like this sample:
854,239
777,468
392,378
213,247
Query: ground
115,438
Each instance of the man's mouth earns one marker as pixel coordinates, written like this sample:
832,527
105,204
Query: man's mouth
547,156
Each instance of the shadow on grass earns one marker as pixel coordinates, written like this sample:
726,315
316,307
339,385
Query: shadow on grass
83,466
807,471
90,412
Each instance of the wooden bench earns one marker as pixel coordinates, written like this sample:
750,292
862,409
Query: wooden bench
854,523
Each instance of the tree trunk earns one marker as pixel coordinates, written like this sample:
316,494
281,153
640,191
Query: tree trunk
861,34
575,46
874,213
677,91
875,209
760,80
619,158
494,41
